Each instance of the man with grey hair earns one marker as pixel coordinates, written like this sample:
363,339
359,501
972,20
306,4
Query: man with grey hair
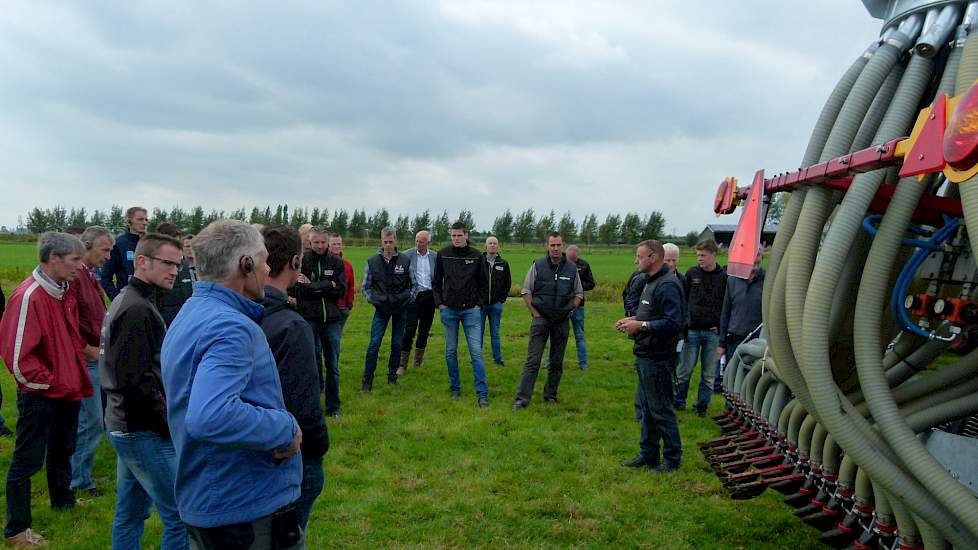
91,311
225,409
389,287
42,348
499,279
421,312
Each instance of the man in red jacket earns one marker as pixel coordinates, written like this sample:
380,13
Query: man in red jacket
42,347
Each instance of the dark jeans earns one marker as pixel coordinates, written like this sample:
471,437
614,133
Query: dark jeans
327,340
377,329
419,317
45,426
313,479
256,535
540,331
658,417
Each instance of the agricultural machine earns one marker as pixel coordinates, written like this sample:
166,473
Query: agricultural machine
859,401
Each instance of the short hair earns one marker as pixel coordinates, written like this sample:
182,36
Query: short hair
670,246
319,229
150,244
131,211
283,243
92,234
388,232
427,234
74,230
492,237
553,234
335,235
708,245
167,228
653,246
220,246
573,247
53,243
460,225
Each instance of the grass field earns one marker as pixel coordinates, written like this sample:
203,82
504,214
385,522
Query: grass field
410,468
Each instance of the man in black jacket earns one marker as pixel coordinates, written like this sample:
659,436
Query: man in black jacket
656,327
115,274
291,341
321,285
577,318
388,286
552,290
498,280
740,318
135,407
705,286
183,287
457,288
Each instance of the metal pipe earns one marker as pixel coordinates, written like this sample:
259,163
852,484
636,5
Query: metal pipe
938,33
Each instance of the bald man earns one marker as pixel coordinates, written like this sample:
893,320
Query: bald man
421,312
498,282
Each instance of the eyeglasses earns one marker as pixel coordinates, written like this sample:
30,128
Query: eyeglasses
167,263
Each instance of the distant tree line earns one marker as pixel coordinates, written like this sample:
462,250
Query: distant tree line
524,227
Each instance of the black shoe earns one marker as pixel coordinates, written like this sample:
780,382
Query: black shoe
551,400
483,402
678,407
500,363
366,387
5,431
334,414
583,367
638,462
392,381
518,406
701,413
665,468
455,395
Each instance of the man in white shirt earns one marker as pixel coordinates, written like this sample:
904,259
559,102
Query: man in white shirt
420,313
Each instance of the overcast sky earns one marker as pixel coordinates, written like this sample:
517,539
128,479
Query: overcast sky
582,106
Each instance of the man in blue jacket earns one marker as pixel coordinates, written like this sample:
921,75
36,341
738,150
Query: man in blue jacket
115,274
238,467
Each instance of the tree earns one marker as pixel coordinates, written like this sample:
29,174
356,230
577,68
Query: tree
610,229
776,209
239,215
567,228
653,226
340,222
421,222
256,216
195,222
502,226
442,226
403,228
78,217
465,216
277,219
157,217
178,217
98,218
631,228
358,224
380,220
589,229
314,218
298,218
58,218
692,238
545,225
116,220
524,226
37,220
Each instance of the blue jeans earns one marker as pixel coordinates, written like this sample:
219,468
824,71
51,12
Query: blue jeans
313,479
326,337
577,321
145,476
471,321
495,314
699,345
658,419
90,430
377,329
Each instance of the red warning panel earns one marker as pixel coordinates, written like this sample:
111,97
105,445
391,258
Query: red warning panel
747,239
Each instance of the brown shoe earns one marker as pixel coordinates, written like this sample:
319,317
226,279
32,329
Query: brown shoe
26,539
418,357
402,366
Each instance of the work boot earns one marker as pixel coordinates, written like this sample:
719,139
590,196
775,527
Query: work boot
402,366
366,386
418,357
26,539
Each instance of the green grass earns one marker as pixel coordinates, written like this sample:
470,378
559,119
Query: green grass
408,467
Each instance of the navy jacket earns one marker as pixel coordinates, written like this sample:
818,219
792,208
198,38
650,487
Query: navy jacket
291,341
741,307
115,274
661,305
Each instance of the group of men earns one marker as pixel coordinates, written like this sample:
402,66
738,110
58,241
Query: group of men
208,401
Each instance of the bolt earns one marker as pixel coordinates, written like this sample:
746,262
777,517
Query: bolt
921,157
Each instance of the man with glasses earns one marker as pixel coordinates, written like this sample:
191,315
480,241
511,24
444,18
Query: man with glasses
135,407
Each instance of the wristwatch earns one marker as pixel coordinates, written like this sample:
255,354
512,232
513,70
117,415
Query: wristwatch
645,326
